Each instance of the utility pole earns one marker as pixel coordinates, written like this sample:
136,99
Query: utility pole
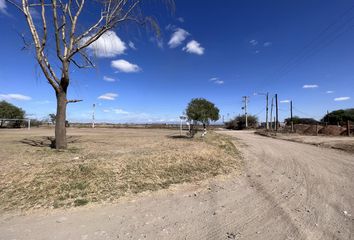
271,115
245,100
267,124
93,115
291,115
267,96
276,112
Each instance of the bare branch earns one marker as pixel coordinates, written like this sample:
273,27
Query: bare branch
111,22
16,5
44,40
43,62
74,101
63,30
56,29
73,25
27,44
86,33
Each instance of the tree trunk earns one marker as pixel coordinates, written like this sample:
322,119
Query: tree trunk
60,128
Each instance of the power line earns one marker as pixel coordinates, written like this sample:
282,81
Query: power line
257,114
306,114
306,55
315,42
324,38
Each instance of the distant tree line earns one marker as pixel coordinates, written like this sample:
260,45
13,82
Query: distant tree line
10,111
340,117
299,120
333,118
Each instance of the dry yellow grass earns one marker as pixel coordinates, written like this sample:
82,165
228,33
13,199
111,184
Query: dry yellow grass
102,165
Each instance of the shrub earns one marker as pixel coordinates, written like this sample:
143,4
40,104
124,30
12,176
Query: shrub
298,120
339,116
239,122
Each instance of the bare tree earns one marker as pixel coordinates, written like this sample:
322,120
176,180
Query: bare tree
60,18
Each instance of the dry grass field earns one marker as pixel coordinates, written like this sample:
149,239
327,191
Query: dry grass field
102,165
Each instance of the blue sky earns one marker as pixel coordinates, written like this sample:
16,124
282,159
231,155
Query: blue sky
302,50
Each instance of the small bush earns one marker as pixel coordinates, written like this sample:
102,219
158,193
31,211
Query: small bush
80,202
298,120
239,122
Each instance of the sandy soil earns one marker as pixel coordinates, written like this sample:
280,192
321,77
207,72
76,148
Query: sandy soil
289,190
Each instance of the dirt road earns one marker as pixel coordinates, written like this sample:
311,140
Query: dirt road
288,191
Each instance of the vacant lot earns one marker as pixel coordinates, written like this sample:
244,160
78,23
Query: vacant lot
102,165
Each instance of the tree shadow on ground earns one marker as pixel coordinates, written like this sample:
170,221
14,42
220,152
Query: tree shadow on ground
178,136
46,141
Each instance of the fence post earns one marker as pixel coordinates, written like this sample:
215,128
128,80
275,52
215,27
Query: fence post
292,126
348,128
316,129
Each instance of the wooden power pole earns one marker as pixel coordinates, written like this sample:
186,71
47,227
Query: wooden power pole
93,115
276,112
271,114
245,100
267,124
291,115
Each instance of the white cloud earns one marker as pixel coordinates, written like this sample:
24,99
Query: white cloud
310,86
267,44
180,19
254,42
216,80
3,7
158,41
15,96
329,92
178,37
341,99
108,96
108,79
125,66
120,111
108,45
131,45
194,47
285,101
170,27
116,111
219,82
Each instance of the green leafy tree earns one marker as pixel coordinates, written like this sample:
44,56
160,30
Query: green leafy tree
10,111
239,122
201,110
339,116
